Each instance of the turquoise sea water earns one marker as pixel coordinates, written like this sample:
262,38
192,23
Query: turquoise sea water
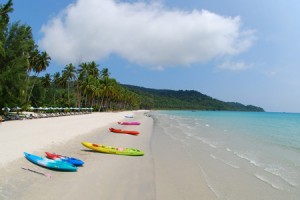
262,146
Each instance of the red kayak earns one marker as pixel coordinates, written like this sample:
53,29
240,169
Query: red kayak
129,123
124,131
73,161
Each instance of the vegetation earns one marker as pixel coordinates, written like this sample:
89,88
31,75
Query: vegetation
21,63
184,100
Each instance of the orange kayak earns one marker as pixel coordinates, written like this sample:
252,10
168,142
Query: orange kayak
124,131
129,123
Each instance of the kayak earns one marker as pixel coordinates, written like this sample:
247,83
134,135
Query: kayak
73,161
129,123
113,150
51,164
124,131
129,116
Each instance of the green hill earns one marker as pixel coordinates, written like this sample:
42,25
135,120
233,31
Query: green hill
184,100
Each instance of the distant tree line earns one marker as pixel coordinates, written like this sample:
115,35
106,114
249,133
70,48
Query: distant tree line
185,100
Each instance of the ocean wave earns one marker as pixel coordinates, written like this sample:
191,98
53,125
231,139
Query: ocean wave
206,142
225,162
246,157
264,179
209,184
189,134
275,171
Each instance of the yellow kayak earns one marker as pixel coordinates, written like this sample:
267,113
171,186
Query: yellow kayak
113,150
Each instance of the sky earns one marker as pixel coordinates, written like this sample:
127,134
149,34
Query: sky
235,51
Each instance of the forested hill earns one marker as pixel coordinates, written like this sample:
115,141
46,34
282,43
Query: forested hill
184,100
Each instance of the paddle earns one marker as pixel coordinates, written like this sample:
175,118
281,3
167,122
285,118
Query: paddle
41,173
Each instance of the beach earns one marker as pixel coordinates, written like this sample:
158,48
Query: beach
184,158
164,172
103,176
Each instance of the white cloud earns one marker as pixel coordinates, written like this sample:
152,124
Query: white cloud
234,66
144,33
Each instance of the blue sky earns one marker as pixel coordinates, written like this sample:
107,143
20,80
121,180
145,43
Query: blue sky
238,51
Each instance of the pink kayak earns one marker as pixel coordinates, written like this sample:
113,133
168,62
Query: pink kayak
129,123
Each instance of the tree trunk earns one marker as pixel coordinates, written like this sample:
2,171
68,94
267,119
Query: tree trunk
31,90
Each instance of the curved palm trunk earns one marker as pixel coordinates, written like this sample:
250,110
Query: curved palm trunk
78,96
101,104
68,94
30,93
27,85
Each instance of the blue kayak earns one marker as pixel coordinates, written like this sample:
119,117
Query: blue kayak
71,160
51,164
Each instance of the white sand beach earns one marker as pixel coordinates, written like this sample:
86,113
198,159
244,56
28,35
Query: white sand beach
103,176
18,136
164,172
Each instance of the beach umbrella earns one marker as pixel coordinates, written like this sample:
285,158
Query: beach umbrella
7,109
32,108
17,108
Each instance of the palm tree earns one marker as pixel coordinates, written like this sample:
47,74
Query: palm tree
4,19
46,80
107,90
56,79
46,83
104,73
42,62
81,81
84,86
16,43
98,92
4,10
32,60
55,83
83,71
69,73
39,63
93,69
95,90
87,81
86,69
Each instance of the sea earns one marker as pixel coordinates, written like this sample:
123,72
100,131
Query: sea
239,152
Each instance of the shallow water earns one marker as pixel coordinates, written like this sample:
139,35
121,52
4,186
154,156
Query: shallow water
241,155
